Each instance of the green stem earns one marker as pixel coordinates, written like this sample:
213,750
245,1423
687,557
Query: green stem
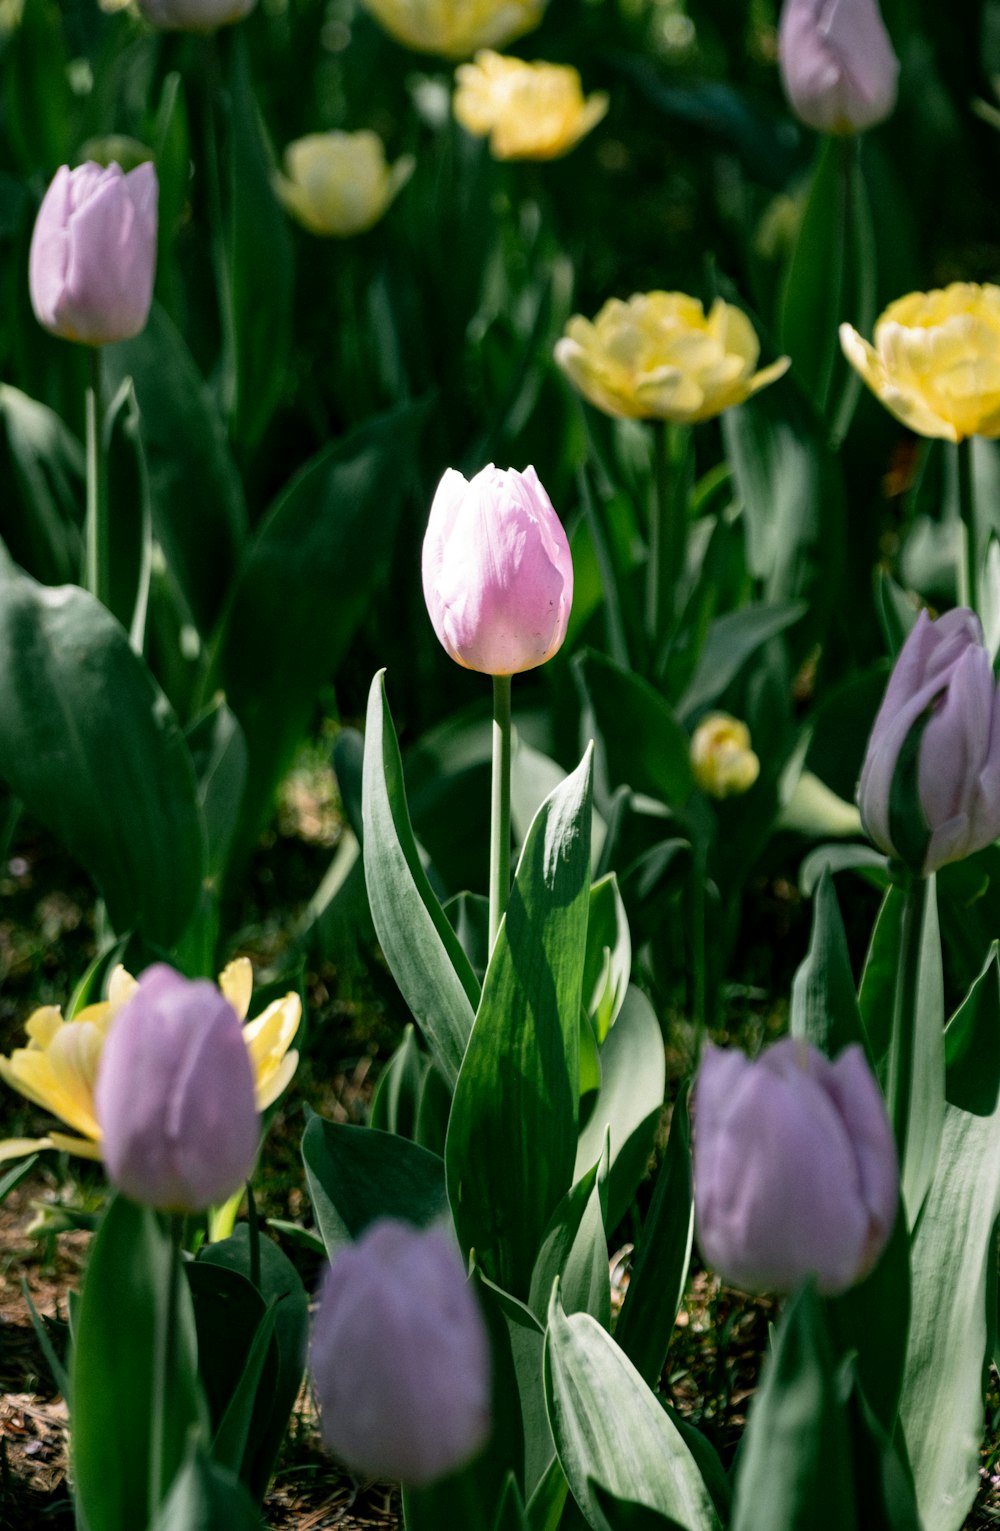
253,1230
97,535
165,1340
214,111
699,1009
617,639
968,582
657,568
900,1082
500,806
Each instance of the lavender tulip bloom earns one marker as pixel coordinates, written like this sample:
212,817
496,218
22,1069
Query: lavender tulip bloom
400,1356
195,15
175,1095
943,675
837,64
497,572
795,1168
93,253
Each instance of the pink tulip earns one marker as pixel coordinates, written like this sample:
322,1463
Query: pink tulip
498,577
175,1095
837,64
195,15
795,1168
400,1356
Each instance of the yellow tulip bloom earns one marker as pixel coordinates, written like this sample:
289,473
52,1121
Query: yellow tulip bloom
660,357
456,28
935,363
529,111
57,1070
338,184
723,763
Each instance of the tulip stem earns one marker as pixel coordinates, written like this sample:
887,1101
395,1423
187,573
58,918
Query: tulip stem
214,112
164,1341
658,566
900,1082
97,540
968,579
500,815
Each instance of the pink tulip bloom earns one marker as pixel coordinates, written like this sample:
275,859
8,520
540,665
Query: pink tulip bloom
837,64
93,253
497,572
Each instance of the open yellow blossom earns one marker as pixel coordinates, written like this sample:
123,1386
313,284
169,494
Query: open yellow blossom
660,357
723,763
57,1070
529,111
456,28
935,363
338,184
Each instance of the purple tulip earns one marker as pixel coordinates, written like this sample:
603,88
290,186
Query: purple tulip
195,15
795,1169
175,1095
943,675
400,1356
498,577
837,64
93,253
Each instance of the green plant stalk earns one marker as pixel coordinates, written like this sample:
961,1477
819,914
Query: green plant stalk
658,568
97,532
698,975
968,574
165,1342
900,1081
859,267
214,110
500,806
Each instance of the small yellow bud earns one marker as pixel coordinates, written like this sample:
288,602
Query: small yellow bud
723,763
338,184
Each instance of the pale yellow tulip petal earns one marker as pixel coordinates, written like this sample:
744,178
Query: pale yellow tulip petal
121,987
43,1024
273,1083
84,1148
236,983
19,1148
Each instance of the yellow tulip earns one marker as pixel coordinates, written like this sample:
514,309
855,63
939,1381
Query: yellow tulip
723,763
57,1070
659,356
339,184
935,363
456,28
529,111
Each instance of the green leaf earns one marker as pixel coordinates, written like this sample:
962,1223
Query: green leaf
795,1469
131,1260
397,1094
41,477
627,1515
972,1044
878,978
37,99
228,1310
424,954
813,291
659,1271
90,743
510,1512
733,640
575,1248
219,753
609,1427
609,955
205,1497
873,1319
521,1345
640,741
356,1174
546,1503
512,1135
825,1009
883,1483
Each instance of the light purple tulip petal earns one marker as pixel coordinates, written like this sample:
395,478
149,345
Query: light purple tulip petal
837,64
400,1356
175,1095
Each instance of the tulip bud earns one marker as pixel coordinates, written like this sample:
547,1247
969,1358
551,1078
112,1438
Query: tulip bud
93,253
338,184
837,64
497,572
795,1170
723,763
195,15
942,701
400,1356
175,1095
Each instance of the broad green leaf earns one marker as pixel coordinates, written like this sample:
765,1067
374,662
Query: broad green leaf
575,1248
510,1512
659,1271
356,1174
397,1094
871,864
219,753
231,1443
424,954
205,1497
228,1310
512,1135
640,742
41,478
795,1469
731,641
524,1340
90,744
883,1482
825,1008
609,1427
37,98
609,955
896,611
304,586
546,1503
114,1335
972,1044
927,1091
626,1515
878,978
629,1102
813,292
873,1319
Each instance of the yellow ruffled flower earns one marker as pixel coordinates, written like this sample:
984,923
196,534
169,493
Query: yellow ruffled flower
456,28
723,763
338,184
57,1070
529,111
660,357
935,363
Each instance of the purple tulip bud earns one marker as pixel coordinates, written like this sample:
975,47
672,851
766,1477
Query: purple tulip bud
942,676
400,1356
795,1169
93,253
195,15
498,577
837,64
175,1095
